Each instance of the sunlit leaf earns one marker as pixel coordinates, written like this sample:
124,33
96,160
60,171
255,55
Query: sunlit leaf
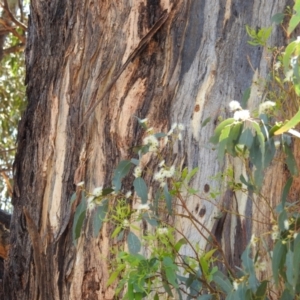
215,138
290,124
294,21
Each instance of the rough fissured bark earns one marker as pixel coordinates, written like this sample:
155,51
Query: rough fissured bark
192,67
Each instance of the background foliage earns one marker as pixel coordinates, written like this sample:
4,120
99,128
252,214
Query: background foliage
12,88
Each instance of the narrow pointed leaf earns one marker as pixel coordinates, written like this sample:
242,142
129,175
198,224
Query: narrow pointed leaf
290,124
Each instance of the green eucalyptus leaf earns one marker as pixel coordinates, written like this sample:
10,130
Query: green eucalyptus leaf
277,18
290,160
245,98
191,174
107,191
141,189
79,217
215,138
233,137
270,152
286,190
168,198
73,198
205,122
262,289
296,263
289,268
223,282
179,244
249,268
289,50
246,138
160,135
282,218
223,142
286,295
289,125
170,269
279,253
120,172
134,243
151,221
99,216
205,297
135,161
295,20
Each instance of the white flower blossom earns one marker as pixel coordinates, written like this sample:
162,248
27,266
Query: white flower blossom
161,163
275,235
242,115
180,126
162,231
293,61
180,136
144,120
295,235
128,194
97,192
159,176
152,141
91,204
286,224
277,144
174,126
165,140
253,240
170,132
235,285
234,105
277,65
143,207
126,223
80,184
162,184
265,107
137,172
171,172
90,199
260,265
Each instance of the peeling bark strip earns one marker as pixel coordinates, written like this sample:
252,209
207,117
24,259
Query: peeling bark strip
187,64
144,41
39,291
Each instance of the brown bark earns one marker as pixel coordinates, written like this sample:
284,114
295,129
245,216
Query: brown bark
189,70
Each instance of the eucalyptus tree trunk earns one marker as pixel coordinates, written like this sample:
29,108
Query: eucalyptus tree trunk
91,67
